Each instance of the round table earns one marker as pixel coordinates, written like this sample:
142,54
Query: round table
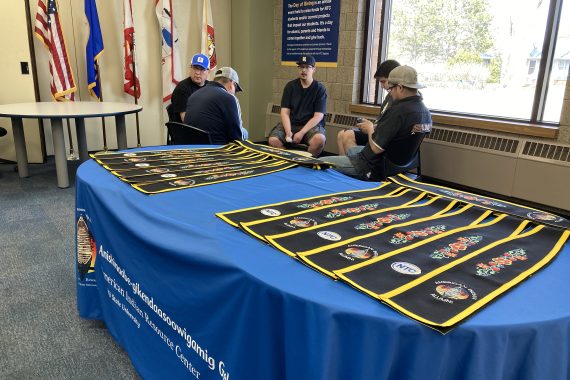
56,112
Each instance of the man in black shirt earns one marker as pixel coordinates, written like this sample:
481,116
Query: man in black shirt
351,137
407,115
197,78
216,109
303,108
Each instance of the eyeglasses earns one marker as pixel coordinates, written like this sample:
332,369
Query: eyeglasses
391,87
304,67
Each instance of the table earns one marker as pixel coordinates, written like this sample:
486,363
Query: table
56,111
189,296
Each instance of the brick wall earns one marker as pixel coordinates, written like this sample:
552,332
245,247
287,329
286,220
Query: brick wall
343,81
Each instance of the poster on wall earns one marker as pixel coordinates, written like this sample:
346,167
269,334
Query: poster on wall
310,27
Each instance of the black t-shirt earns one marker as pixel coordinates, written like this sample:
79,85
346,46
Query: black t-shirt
396,123
304,102
215,110
180,96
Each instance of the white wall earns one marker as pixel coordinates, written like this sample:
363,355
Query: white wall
16,87
187,16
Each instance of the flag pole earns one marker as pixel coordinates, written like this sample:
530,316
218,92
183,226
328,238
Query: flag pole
136,89
72,156
101,99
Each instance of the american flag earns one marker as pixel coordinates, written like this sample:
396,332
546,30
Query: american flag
48,30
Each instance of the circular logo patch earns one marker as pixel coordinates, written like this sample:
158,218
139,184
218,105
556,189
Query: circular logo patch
544,216
329,235
301,222
270,212
182,182
360,252
406,268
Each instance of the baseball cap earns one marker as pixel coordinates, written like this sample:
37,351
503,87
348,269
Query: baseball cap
228,72
306,60
405,76
201,60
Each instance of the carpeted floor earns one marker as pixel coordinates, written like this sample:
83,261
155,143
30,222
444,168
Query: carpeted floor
42,336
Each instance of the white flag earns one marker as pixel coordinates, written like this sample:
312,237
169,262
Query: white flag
208,39
171,69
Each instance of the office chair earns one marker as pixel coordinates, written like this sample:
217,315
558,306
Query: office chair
3,132
184,134
403,155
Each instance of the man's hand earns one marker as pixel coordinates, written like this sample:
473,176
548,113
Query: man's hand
298,137
366,126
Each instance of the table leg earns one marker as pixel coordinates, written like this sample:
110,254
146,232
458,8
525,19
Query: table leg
121,132
81,139
20,146
59,150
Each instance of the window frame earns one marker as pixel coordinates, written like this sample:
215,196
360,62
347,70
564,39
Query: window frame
534,126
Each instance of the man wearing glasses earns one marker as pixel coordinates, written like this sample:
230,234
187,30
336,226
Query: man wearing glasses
351,137
406,116
303,108
216,109
197,78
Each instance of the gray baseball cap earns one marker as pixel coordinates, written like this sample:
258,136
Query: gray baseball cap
406,76
228,72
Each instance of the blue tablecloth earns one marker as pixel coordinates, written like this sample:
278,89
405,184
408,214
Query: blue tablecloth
189,296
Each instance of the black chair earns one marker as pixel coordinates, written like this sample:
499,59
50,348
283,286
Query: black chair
171,115
403,155
3,132
184,134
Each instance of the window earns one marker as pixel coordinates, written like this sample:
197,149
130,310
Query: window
490,58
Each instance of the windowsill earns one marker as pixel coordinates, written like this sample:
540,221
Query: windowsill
526,129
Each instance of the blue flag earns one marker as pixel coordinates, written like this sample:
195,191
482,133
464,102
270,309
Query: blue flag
94,48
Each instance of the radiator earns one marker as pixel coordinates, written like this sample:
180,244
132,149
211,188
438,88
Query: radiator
518,167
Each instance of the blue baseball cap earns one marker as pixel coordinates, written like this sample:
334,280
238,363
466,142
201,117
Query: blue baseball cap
201,60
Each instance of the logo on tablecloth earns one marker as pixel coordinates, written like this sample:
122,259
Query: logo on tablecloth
86,249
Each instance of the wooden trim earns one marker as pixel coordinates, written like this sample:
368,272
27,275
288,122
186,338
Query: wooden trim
525,129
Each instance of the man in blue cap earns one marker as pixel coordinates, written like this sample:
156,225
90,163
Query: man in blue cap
303,108
197,78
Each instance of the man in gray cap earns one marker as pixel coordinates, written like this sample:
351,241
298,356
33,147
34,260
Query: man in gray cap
216,109
406,116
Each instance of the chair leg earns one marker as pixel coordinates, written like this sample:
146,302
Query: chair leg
419,168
